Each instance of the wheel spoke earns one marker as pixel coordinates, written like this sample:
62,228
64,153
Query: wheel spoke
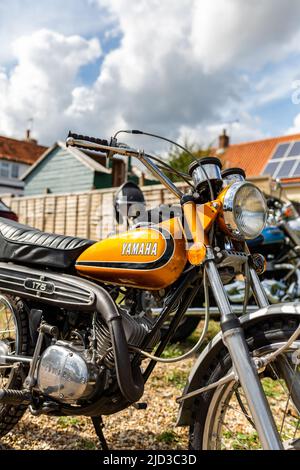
240,412
277,378
244,411
234,427
8,334
3,332
288,400
237,438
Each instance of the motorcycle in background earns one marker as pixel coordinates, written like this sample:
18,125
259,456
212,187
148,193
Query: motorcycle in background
279,243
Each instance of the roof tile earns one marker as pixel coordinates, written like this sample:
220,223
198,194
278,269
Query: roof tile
20,150
253,156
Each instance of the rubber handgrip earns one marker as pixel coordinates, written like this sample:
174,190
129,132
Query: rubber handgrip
93,140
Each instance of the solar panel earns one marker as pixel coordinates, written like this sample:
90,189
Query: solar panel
271,168
297,170
285,169
280,151
295,150
285,161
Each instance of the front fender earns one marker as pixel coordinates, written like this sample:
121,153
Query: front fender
203,362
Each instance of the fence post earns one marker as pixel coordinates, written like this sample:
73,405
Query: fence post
88,215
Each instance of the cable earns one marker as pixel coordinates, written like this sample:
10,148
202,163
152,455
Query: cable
247,287
161,166
199,342
137,132
170,169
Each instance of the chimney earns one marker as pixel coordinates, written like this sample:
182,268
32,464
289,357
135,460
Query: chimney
28,137
224,140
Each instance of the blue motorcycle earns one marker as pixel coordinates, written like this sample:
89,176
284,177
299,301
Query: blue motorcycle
279,243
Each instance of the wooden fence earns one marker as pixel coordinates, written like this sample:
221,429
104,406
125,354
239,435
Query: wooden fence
88,215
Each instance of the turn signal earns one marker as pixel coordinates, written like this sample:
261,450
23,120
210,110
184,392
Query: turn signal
196,253
259,263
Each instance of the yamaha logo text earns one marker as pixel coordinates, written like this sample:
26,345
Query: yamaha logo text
142,249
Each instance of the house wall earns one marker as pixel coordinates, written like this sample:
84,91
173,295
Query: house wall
11,186
8,182
102,180
59,172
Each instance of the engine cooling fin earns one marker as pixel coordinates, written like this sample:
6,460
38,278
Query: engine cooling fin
136,328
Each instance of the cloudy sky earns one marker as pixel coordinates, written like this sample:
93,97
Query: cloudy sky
183,68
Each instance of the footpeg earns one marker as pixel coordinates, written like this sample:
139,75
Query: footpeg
14,397
47,408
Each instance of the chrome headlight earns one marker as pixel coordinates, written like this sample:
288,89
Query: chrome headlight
244,211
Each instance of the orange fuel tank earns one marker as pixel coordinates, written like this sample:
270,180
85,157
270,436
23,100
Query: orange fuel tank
149,258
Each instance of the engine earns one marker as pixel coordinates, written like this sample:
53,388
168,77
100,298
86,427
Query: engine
65,374
68,371
135,327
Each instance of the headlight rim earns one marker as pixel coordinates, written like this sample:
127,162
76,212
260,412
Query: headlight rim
228,218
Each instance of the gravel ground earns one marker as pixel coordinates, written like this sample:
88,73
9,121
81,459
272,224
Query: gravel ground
151,429
131,429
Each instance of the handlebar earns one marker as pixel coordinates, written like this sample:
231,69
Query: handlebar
86,138
91,143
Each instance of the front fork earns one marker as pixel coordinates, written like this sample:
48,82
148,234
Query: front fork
234,339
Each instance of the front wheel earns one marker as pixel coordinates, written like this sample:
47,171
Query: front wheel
221,418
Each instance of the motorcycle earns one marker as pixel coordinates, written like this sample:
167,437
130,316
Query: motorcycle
74,337
280,245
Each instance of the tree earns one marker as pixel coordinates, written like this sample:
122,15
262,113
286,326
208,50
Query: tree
180,160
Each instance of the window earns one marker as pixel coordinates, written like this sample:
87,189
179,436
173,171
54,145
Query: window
15,170
4,169
285,161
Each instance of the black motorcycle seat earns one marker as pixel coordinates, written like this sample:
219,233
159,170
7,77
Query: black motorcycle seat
22,244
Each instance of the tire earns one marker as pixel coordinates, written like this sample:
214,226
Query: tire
257,336
11,414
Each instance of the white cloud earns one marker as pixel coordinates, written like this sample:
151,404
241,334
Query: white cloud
244,34
295,128
42,82
68,17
